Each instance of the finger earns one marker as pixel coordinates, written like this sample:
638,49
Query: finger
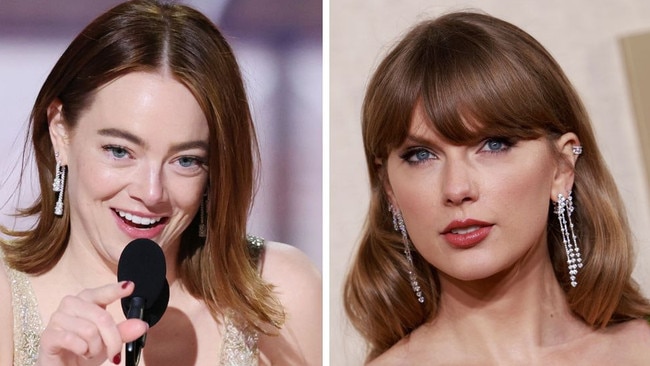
132,329
55,340
82,335
107,294
107,333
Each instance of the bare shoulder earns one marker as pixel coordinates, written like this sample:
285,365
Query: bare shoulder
398,354
632,340
6,317
288,268
298,286
283,254
410,350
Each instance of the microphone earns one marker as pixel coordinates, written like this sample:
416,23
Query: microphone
143,263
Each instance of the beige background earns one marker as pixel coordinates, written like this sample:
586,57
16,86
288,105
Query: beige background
583,35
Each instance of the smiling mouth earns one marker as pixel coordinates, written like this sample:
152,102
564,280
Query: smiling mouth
138,221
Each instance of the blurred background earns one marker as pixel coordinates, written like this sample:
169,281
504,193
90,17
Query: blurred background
279,47
596,42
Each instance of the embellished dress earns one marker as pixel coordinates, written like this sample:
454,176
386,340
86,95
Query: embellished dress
238,348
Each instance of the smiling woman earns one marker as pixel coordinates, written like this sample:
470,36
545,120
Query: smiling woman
138,167
143,130
495,233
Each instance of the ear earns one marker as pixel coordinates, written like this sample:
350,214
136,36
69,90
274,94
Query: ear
58,130
565,169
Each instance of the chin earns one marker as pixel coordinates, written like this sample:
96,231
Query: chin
474,272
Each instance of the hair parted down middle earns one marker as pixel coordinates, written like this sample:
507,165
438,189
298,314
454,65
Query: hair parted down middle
163,37
475,75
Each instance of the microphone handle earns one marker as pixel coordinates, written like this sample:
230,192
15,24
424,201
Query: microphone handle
133,349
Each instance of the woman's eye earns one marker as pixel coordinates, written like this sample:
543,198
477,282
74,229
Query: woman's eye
418,156
190,161
494,145
186,162
117,152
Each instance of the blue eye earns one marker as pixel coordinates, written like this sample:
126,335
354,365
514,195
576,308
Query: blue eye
418,156
187,161
190,161
495,145
116,152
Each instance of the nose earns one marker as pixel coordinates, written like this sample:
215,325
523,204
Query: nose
459,184
148,185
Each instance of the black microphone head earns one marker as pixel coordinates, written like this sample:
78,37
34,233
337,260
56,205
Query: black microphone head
143,263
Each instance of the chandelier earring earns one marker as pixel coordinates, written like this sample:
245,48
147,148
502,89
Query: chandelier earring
564,209
398,224
58,185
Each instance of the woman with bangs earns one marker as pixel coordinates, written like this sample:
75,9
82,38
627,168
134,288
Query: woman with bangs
496,234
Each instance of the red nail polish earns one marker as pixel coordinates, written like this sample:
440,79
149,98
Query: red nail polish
117,359
125,284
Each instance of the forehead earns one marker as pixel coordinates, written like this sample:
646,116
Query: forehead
148,104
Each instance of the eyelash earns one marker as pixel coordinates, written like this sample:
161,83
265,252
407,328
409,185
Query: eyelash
507,144
412,152
409,154
113,149
197,161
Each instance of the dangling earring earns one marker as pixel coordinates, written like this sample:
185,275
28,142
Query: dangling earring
564,209
56,184
203,231
398,224
59,186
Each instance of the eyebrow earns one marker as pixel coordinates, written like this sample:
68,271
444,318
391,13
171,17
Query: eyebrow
116,132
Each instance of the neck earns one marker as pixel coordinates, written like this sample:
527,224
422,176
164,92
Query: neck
86,267
511,314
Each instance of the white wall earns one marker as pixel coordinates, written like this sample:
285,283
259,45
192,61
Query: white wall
583,37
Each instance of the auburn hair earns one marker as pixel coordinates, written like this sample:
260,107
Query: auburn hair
469,66
147,35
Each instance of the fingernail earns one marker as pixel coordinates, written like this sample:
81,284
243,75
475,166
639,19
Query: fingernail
125,284
117,359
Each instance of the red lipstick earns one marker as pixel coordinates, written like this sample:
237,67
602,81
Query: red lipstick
464,234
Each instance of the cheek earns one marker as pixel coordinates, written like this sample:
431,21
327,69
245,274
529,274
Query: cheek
415,195
96,179
523,197
187,194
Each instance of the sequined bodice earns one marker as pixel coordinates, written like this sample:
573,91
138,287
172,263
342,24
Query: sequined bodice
239,346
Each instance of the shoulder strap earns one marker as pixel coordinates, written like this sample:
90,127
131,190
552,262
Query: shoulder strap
27,320
255,247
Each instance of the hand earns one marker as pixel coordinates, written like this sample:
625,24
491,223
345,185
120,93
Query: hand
82,332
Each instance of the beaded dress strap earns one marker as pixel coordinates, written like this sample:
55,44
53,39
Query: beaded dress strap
239,346
27,321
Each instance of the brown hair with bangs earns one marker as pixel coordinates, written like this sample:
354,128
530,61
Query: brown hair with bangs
475,75
147,35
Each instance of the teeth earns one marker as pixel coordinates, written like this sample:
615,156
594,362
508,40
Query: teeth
139,220
465,230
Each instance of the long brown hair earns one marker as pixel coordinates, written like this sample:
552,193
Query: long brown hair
144,35
470,64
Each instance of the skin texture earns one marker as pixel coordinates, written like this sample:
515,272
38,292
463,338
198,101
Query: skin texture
500,302
138,148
